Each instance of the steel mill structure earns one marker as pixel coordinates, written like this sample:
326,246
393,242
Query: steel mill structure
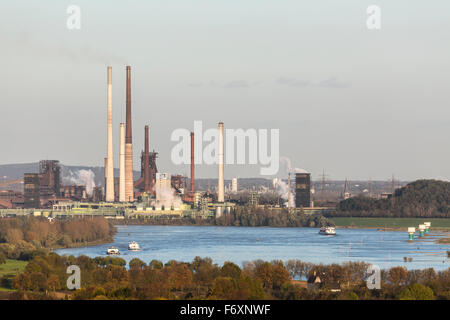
146,183
154,193
302,190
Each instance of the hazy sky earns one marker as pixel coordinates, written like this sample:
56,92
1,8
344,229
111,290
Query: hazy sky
357,103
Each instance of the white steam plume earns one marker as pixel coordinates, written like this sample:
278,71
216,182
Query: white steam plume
166,196
283,191
85,178
287,162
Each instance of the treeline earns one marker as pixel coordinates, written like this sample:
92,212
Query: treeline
241,216
422,198
246,216
23,237
108,278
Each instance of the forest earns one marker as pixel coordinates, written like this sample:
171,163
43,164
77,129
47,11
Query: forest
422,198
109,278
243,216
22,238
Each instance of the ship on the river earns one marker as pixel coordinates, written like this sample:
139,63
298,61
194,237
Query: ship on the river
327,231
113,251
134,246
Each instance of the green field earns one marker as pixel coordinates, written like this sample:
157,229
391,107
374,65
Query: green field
389,222
10,269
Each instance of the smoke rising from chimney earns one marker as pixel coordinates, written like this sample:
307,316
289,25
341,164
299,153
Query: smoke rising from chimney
83,177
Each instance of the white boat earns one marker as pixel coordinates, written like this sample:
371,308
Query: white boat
134,246
327,231
112,251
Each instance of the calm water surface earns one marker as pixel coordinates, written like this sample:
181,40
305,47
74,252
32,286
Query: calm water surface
240,244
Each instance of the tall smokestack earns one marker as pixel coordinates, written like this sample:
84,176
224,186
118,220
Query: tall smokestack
129,183
146,163
122,197
289,191
106,175
110,156
221,195
192,164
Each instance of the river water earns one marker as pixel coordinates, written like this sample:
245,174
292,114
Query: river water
240,244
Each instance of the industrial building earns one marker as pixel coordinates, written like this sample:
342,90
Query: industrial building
146,183
10,199
31,190
302,190
234,185
157,192
49,178
75,192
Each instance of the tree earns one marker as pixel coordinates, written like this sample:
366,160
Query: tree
417,291
155,264
38,281
279,276
2,258
263,273
53,282
136,263
223,288
229,269
249,289
398,275
14,236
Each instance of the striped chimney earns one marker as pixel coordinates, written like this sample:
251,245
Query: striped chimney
129,182
122,197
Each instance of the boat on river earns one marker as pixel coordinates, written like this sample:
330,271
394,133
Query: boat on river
134,246
327,231
113,251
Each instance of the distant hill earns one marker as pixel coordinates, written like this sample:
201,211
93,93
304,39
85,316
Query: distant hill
421,198
68,173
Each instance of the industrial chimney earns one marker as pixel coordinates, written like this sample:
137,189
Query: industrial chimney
289,191
192,164
220,189
122,197
146,162
129,183
110,156
106,176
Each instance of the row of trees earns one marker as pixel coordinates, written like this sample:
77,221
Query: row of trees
245,216
422,198
264,217
108,278
21,237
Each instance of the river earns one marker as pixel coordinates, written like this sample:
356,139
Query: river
240,244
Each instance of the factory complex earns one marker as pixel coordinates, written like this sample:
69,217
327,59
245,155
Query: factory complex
153,195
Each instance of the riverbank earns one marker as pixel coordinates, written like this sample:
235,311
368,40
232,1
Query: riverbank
383,224
240,218
389,224
84,244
